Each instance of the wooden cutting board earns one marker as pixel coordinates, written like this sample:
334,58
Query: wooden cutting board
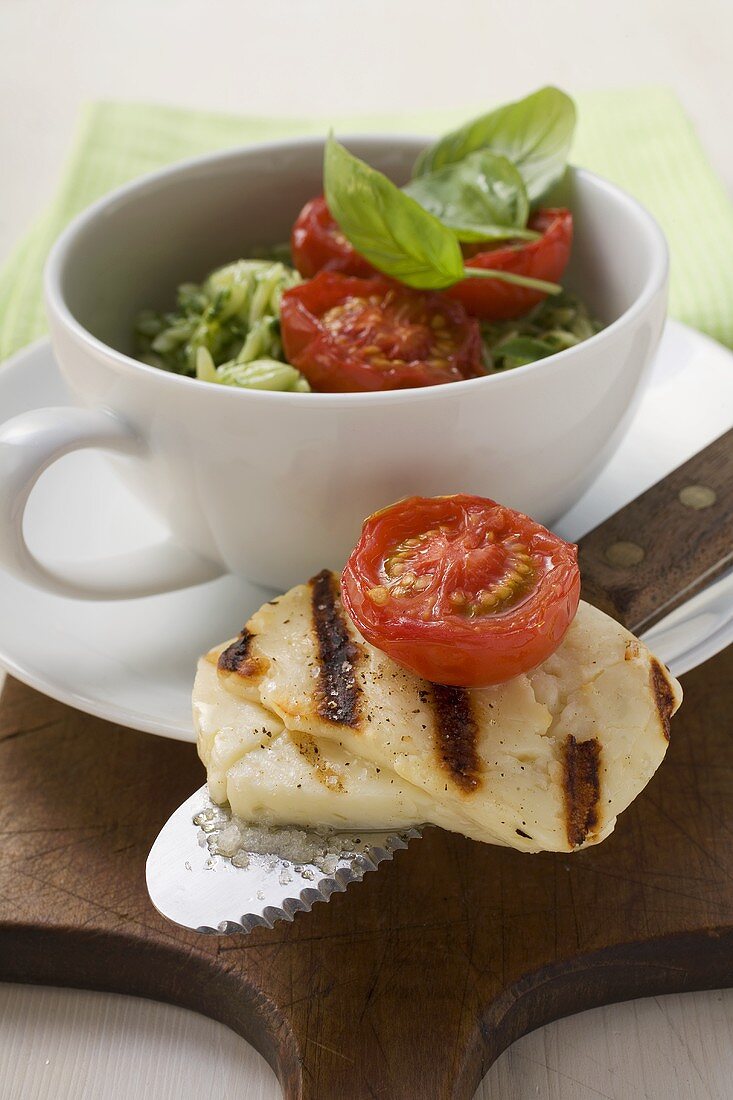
410,984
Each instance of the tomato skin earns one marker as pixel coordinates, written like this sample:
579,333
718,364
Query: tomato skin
317,244
422,631
350,335
544,258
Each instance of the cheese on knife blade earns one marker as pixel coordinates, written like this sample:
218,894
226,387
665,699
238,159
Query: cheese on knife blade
545,761
268,773
226,726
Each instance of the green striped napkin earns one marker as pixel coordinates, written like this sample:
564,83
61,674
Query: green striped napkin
641,139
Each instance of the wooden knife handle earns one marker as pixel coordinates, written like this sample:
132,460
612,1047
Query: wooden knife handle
669,543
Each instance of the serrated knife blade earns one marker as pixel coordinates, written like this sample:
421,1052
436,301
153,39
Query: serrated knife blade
207,893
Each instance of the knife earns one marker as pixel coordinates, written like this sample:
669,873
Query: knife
195,888
638,566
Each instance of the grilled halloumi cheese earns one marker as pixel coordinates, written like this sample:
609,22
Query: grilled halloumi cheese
268,772
545,761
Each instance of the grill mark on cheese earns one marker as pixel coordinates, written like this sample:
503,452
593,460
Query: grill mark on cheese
330,779
663,694
237,660
338,697
456,735
582,788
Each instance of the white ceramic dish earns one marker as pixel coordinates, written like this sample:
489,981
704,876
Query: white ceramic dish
273,486
133,661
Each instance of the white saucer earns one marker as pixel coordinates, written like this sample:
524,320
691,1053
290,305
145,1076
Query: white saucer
133,661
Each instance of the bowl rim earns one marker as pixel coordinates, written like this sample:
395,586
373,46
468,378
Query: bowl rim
58,309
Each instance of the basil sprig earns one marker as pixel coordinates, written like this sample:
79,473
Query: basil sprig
481,198
534,133
394,232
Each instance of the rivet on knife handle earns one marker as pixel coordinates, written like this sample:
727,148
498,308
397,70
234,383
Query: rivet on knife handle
669,543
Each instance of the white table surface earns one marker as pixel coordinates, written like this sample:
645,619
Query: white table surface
295,57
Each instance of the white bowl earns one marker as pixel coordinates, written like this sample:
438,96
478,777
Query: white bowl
274,486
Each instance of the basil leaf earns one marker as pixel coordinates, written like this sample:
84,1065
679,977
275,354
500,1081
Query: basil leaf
480,198
516,351
387,226
535,134
526,348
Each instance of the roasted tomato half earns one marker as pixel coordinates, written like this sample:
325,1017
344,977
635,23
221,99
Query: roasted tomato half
351,335
544,258
317,244
461,590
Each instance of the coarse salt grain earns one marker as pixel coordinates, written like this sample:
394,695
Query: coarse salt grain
228,840
229,836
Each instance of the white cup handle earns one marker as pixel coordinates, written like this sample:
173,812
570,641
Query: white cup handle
29,444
